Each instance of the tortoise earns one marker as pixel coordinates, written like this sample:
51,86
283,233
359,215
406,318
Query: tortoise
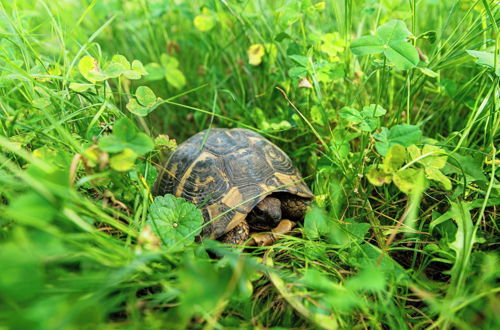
241,182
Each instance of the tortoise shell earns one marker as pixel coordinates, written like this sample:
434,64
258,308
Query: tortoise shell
227,172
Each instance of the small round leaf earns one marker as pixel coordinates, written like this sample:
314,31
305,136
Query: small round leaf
174,220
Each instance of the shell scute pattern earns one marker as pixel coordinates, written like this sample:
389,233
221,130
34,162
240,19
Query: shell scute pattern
204,181
244,165
228,174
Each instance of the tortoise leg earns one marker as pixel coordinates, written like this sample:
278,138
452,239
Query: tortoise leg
238,235
294,207
265,239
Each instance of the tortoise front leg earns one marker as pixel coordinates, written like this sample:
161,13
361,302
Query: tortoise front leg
265,239
238,235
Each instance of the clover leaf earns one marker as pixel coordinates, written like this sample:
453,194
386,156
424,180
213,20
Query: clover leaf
119,66
433,159
316,223
145,101
168,69
89,69
205,21
410,180
125,135
404,135
123,161
378,177
430,160
367,118
390,39
174,220
394,159
173,74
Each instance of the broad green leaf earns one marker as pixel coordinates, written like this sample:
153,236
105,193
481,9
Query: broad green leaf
119,65
317,115
435,174
23,273
89,69
336,297
91,155
468,165
255,53
125,129
357,230
114,70
125,135
168,61
145,96
351,115
407,180
174,220
369,279
433,156
31,208
155,72
328,72
390,38
433,159
368,124
300,60
394,159
87,64
137,109
394,30
486,59
282,36
404,135
132,75
205,21
121,60
316,223
55,157
414,152
378,176
123,161
144,103
332,44
271,52
340,148
367,255
402,54
139,68
373,110
80,88
175,77
367,45
297,72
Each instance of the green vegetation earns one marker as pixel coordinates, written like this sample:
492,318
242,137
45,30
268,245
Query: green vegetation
389,109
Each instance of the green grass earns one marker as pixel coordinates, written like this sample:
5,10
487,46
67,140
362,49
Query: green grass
420,251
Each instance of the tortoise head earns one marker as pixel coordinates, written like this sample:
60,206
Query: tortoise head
267,211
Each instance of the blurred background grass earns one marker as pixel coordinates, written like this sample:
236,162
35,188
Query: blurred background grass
74,252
